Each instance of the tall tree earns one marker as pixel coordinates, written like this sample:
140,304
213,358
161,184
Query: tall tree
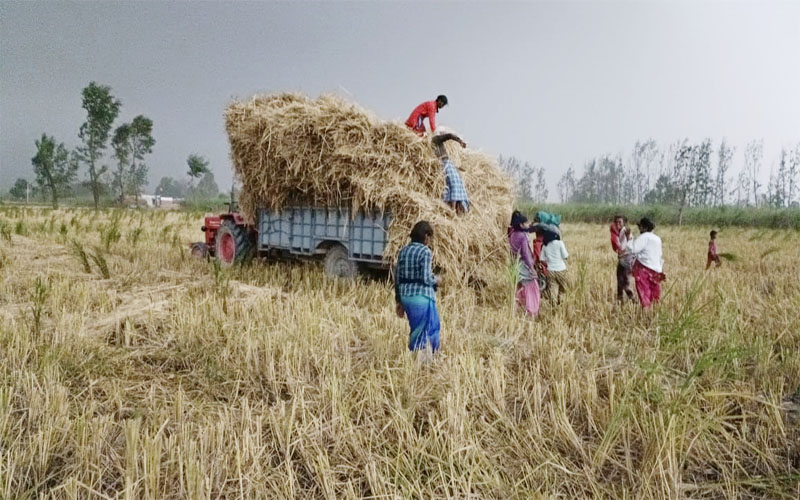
521,175
643,159
207,187
101,111
753,154
702,186
724,157
198,166
53,168
794,170
683,177
664,192
566,186
585,186
741,189
121,145
779,192
20,189
141,142
540,191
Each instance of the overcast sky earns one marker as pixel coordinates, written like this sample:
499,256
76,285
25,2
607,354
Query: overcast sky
552,83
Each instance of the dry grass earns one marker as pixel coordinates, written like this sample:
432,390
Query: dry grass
175,379
287,148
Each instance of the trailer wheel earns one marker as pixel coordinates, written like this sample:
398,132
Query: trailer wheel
338,263
232,244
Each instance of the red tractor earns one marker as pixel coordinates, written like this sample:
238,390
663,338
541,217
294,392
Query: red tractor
228,238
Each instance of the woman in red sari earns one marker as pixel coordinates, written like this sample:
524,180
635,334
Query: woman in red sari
649,264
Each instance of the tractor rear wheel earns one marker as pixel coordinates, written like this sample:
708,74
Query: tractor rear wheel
232,244
338,263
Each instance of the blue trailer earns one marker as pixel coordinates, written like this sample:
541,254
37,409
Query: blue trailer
345,240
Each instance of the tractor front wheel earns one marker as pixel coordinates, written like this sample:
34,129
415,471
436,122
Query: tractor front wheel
232,244
199,250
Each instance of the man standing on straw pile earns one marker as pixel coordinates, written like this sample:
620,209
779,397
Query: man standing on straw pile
415,289
455,194
427,109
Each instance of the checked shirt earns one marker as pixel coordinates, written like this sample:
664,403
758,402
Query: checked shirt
454,189
415,271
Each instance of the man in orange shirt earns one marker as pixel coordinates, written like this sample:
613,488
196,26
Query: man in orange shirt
427,109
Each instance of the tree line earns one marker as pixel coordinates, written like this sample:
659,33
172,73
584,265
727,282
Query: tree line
529,181
56,167
682,174
685,174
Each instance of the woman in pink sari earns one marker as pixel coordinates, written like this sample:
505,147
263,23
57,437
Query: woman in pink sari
527,284
647,269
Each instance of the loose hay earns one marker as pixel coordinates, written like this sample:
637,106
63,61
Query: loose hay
288,148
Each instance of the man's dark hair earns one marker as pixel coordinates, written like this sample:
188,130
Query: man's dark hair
713,234
618,216
420,231
646,225
442,99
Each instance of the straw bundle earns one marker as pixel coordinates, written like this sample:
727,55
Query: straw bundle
288,148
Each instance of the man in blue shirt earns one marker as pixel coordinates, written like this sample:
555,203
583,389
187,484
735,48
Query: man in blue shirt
415,289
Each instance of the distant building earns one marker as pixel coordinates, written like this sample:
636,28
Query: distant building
155,201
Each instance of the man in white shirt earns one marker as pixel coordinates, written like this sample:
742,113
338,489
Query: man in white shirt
555,255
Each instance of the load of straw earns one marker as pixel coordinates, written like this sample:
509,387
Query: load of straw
290,149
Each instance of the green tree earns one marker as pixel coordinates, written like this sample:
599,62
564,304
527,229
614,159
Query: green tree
753,154
540,190
198,166
566,185
141,142
643,158
665,192
54,169
207,187
122,152
794,169
702,185
168,186
521,175
101,111
20,189
724,158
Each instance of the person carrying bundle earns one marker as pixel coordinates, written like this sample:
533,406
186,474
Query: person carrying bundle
455,194
427,109
647,268
415,289
527,294
546,227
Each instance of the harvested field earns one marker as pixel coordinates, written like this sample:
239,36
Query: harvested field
135,371
288,148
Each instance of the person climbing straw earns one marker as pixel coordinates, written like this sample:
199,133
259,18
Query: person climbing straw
455,194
